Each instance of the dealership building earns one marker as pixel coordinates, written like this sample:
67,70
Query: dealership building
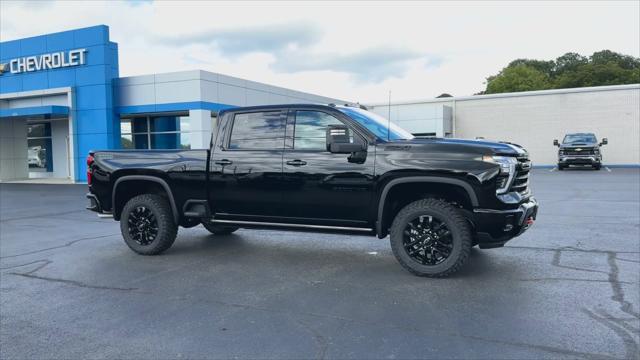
61,95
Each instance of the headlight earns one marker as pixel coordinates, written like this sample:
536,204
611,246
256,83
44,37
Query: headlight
507,163
507,171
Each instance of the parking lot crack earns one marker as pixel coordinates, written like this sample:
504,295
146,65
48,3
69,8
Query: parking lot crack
573,279
42,263
627,260
556,262
631,346
70,243
71,282
321,340
616,287
41,215
568,248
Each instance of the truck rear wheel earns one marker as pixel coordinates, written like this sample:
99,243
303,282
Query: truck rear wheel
147,224
219,229
431,238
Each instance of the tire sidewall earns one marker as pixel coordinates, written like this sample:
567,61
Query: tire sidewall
397,240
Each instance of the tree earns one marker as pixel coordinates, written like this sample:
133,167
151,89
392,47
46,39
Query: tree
570,70
545,67
517,78
597,75
569,62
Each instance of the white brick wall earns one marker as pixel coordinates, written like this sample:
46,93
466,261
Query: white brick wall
535,121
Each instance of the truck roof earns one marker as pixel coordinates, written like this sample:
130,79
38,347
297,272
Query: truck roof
279,106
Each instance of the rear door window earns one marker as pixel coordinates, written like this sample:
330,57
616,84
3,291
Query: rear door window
258,131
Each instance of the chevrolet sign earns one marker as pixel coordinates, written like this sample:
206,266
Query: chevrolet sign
49,61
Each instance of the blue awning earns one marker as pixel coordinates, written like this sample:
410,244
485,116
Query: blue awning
48,111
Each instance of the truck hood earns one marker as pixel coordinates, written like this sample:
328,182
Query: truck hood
481,147
578,144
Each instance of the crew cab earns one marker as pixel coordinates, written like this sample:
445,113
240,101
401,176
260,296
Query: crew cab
322,168
580,149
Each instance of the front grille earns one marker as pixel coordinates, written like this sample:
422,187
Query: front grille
520,182
575,151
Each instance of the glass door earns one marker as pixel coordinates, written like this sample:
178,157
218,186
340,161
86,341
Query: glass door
39,151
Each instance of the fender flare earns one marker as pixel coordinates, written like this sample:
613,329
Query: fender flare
155,179
417,179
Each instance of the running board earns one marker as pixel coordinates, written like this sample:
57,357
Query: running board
300,226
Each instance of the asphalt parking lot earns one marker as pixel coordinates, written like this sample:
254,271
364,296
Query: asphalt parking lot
568,288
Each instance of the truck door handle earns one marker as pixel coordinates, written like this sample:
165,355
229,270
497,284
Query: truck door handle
296,162
223,162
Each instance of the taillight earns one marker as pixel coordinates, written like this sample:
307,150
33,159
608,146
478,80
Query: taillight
90,161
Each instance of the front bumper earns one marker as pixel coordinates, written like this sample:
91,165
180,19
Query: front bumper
579,159
495,227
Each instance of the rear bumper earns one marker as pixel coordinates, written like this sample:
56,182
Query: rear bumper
95,206
495,227
94,203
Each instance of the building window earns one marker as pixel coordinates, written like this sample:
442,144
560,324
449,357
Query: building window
155,132
39,154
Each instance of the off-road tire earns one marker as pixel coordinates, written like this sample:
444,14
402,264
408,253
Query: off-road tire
561,167
453,219
167,228
219,229
597,167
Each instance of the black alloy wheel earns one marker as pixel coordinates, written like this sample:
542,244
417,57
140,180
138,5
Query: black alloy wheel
427,240
143,226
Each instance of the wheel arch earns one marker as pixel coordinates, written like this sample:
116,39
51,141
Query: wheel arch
464,187
117,206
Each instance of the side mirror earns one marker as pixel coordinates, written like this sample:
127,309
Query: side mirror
556,143
339,140
604,141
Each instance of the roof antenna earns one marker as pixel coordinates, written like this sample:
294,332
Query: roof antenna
389,119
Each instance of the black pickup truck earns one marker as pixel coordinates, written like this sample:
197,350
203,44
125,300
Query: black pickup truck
580,149
327,169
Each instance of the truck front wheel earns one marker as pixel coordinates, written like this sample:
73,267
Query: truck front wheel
431,238
147,224
219,229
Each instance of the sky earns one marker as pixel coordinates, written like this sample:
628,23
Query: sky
357,51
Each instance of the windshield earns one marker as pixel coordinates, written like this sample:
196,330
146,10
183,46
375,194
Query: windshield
375,123
579,138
